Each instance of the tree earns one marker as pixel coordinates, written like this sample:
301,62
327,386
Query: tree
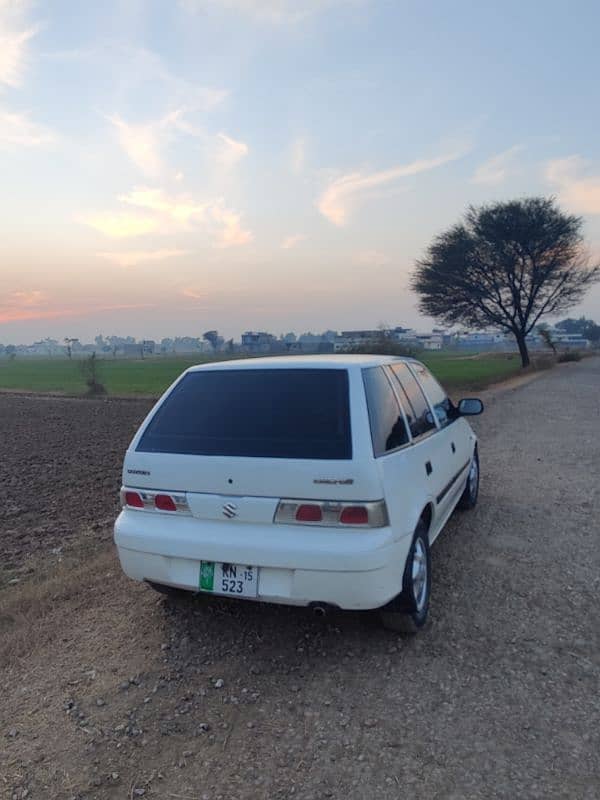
546,336
213,338
584,327
505,265
69,343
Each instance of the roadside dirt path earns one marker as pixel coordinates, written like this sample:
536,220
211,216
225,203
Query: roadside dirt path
108,691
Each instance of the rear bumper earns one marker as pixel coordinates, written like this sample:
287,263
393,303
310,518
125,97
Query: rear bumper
358,569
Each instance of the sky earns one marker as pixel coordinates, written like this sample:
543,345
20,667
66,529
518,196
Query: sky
173,166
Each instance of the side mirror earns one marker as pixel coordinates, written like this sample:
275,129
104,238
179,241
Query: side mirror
470,407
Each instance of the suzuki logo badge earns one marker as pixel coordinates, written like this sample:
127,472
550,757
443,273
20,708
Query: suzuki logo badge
230,510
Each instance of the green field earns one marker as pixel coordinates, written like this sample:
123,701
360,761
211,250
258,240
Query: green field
151,376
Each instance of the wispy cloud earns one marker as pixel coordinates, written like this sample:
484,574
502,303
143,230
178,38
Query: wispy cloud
578,191
131,258
179,209
14,38
194,294
347,191
143,143
229,151
32,304
17,130
371,258
158,212
497,168
270,11
292,241
230,232
298,155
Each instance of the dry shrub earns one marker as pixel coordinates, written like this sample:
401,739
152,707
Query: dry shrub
569,355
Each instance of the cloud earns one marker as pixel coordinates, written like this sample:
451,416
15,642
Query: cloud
182,209
347,191
229,151
120,225
580,193
497,168
32,304
371,258
230,232
13,313
143,143
189,291
14,38
298,155
161,213
291,241
17,130
271,11
132,258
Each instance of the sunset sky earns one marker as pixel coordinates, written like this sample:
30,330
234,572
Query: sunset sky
168,167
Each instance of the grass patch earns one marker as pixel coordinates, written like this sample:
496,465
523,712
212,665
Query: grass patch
119,377
151,376
472,372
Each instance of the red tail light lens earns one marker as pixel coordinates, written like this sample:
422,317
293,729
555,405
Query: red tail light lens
134,500
309,513
164,503
354,515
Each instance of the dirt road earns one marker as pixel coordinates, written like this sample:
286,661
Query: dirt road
110,692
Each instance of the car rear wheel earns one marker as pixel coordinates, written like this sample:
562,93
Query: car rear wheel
170,591
469,497
407,613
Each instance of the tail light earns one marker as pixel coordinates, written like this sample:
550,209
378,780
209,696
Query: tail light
134,500
355,515
155,501
309,513
164,502
334,514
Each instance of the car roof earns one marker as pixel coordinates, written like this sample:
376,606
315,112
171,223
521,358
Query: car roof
324,361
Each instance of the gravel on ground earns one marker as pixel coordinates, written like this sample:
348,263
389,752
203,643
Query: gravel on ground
110,691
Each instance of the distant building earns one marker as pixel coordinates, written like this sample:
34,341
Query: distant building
569,339
480,340
259,342
430,341
349,340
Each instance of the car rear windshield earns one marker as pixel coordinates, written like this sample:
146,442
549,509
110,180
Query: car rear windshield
259,413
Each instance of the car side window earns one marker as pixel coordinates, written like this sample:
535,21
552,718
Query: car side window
442,405
419,416
388,430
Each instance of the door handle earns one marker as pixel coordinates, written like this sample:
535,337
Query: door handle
428,467
453,446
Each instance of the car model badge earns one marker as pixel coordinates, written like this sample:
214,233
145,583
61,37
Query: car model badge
230,510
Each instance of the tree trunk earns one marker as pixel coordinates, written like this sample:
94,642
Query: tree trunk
524,353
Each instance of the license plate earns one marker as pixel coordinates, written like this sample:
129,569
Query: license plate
236,580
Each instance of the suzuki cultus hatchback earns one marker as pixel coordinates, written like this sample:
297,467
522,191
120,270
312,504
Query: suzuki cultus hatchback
313,481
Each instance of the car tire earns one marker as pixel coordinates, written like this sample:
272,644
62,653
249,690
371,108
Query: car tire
407,613
468,498
169,591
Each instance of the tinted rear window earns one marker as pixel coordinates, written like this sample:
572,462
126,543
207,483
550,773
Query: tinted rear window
418,414
260,413
388,430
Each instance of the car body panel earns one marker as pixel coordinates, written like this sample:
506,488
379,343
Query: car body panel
233,502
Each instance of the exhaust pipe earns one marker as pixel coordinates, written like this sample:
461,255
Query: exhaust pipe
322,609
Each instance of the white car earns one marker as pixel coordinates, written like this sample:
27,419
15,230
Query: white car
311,481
